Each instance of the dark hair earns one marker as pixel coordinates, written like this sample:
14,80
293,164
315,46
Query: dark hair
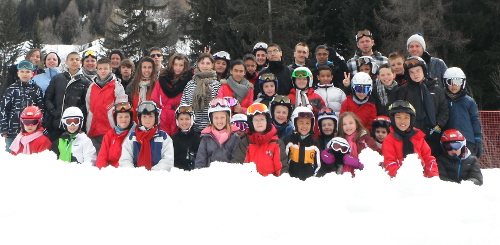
118,52
237,62
384,66
325,68
138,76
321,47
274,45
154,49
104,60
74,52
58,58
170,66
127,63
205,55
249,57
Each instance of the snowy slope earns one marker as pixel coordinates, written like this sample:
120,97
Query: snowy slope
45,201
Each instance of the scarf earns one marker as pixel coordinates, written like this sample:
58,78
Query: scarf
220,135
240,90
382,91
406,138
423,103
143,89
103,82
453,96
301,99
89,73
202,93
352,144
172,87
25,139
143,137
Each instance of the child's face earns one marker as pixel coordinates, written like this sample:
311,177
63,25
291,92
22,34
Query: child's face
402,120
205,64
25,74
454,152
325,77
178,66
454,89
397,65
251,66
349,125
328,126
147,69
219,119
301,82
72,128
220,65
148,120
126,71
123,119
238,72
304,126
30,128
361,96
365,68
386,76
280,114
380,134
103,70
259,123
73,62
415,49
416,74
269,88
90,63
184,120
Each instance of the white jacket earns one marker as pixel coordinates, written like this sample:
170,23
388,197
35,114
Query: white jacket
83,149
332,96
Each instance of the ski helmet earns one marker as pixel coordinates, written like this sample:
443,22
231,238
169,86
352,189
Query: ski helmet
31,115
186,109
267,77
302,112
240,121
223,55
361,83
454,76
452,139
302,72
122,107
381,122
148,107
327,113
259,46
367,60
72,116
414,61
218,104
339,144
402,106
284,101
257,109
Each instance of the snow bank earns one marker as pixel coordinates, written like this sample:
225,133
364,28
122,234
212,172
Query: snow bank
51,202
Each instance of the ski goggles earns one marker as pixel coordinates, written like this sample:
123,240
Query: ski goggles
326,111
301,73
281,99
72,121
266,77
339,147
453,145
454,81
242,126
231,101
29,122
411,62
25,64
308,115
123,106
185,109
257,108
90,53
363,33
363,89
219,103
147,107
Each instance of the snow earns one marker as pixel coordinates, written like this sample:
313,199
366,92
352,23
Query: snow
46,201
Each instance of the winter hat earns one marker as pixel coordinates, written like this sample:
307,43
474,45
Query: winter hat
417,38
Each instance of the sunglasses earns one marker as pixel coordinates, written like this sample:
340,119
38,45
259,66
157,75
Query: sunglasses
364,33
123,106
266,77
256,108
29,122
72,121
301,73
327,111
308,115
241,125
185,109
156,55
281,99
339,147
454,81
89,53
364,89
147,107
25,64
455,145
231,101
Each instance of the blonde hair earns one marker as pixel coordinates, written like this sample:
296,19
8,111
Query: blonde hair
228,122
359,126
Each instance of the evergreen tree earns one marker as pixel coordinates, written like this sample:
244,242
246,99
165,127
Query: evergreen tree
68,25
135,27
36,41
10,36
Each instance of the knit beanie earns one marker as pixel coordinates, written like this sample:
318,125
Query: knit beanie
417,38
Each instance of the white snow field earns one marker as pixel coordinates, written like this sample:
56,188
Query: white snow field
46,201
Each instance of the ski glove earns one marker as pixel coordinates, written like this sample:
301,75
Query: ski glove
327,157
435,130
353,162
392,169
479,148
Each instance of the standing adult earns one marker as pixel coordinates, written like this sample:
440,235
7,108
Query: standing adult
168,90
32,56
89,67
337,65
156,54
300,56
365,43
279,68
435,67
116,56
51,63
260,52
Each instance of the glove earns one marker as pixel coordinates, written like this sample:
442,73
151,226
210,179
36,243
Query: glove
479,148
353,162
436,130
326,157
392,169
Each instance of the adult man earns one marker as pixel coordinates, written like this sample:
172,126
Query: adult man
301,55
365,43
156,54
338,66
279,68
435,67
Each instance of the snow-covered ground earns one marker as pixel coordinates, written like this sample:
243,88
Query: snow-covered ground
45,201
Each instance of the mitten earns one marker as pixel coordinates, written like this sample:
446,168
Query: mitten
353,162
431,169
479,147
392,169
326,157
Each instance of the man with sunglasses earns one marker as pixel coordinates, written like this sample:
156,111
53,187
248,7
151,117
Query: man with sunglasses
156,54
365,43
279,68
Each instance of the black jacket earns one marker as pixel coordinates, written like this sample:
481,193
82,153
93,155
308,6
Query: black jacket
12,77
456,169
439,100
64,91
185,148
392,95
284,75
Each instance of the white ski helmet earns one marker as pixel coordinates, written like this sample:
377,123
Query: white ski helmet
339,144
367,60
218,104
454,76
239,117
302,112
223,55
72,112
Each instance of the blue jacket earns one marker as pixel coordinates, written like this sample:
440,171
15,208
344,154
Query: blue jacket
464,117
43,80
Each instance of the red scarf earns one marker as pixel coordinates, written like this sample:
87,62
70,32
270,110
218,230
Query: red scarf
145,158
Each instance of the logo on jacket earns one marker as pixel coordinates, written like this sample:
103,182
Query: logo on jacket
269,153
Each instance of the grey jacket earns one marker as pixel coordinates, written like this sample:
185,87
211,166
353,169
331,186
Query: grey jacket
210,150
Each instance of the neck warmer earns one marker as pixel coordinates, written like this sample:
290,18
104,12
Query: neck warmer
106,80
172,86
25,139
381,90
143,137
89,73
202,93
406,138
240,90
220,135
301,97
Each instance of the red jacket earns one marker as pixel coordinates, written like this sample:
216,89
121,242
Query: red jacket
366,112
267,151
100,103
167,106
226,91
38,145
392,150
315,100
111,149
